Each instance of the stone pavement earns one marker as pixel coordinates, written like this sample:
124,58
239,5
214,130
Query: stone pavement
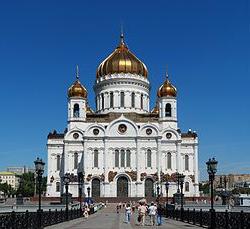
107,218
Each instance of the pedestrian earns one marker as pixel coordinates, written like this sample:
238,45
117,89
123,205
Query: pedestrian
128,212
117,209
160,212
152,213
142,209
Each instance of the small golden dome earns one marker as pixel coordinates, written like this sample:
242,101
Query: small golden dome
122,60
167,89
77,89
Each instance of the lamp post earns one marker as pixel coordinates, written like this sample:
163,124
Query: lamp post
80,182
66,180
39,166
181,180
88,190
167,188
212,169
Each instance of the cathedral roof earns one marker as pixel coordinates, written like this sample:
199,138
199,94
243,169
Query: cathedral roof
122,60
135,117
55,135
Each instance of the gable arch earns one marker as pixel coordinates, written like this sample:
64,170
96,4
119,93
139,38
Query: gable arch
69,134
112,129
155,130
90,128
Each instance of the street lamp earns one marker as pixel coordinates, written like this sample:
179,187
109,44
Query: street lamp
181,180
66,180
39,166
80,182
167,187
212,169
88,190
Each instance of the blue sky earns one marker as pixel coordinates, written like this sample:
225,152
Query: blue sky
204,43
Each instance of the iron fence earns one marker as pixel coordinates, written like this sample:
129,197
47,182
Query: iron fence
223,220
29,220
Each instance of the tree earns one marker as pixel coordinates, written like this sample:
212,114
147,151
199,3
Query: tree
26,184
7,189
205,188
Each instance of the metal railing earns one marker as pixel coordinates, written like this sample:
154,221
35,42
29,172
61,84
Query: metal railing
29,220
223,220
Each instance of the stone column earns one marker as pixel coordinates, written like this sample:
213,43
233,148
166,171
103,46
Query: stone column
178,158
159,160
196,172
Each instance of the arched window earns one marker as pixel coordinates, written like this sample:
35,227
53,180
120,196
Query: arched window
75,160
96,158
141,101
169,163
122,99
102,95
186,187
76,111
111,100
122,158
149,158
133,99
186,162
57,186
168,111
128,157
116,158
58,162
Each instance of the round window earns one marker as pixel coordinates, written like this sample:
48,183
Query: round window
95,131
148,131
75,135
122,128
168,135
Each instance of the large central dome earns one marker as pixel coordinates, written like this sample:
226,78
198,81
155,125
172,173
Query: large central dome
122,60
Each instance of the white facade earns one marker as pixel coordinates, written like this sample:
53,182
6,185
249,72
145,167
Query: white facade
122,146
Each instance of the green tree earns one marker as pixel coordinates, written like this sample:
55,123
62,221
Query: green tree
204,188
7,189
27,184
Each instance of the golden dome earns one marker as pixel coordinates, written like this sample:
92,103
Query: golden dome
122,60
167,89
77,89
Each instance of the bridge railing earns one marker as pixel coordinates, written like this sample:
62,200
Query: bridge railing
223,220
29,220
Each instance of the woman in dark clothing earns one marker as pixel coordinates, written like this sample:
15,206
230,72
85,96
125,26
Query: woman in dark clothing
160,212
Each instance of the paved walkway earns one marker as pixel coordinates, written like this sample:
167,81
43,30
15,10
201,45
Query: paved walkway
107,218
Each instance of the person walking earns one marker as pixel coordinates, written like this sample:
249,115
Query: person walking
128,212
160,212
142,209
152,213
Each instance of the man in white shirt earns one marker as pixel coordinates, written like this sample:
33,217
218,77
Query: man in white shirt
152,213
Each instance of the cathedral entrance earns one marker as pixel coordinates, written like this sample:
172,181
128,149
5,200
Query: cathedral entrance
122,187
149,188
95,187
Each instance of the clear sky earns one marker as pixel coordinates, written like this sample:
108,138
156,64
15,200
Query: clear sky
204,43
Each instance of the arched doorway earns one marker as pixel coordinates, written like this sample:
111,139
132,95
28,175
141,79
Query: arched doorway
122,187
95,188
149,187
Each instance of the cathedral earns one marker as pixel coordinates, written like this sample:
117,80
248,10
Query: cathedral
123,148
